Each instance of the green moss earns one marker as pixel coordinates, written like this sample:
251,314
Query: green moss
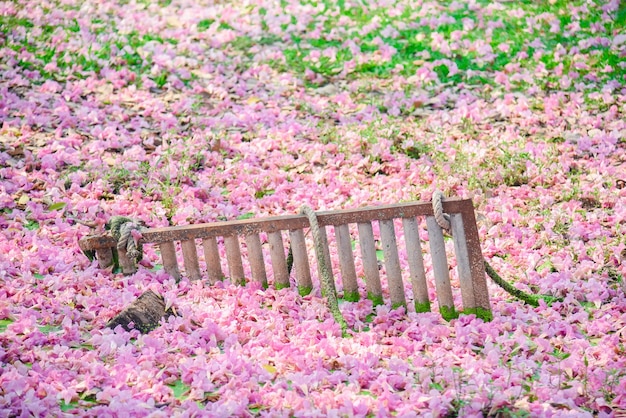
421,307
304,290
482,313
376,299
281,286
351,296
448,313
398,305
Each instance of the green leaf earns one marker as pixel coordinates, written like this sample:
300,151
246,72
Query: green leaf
67,406
31,224
56,206
204,24
180,389
4,323
436,386
247,215
38,276
47,329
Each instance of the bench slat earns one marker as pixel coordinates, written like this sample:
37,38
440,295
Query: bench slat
416,265
212,258
105,257
190,258
128,266
462,262
440,268
346,263
279,261
465,230
392,263
168,255
255,257
301,262
233,256
370,262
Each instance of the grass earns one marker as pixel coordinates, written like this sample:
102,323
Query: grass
411,38
414,41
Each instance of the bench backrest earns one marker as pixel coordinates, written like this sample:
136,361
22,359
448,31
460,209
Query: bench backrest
469,259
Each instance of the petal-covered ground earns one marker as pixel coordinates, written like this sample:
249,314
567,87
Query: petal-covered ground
186,111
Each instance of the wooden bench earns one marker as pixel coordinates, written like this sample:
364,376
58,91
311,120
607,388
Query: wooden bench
469,259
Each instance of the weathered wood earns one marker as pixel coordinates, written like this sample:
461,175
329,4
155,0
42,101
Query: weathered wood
144,314
212,259
104,257
470,264
168,255
283,223
190,258
128,266
416,265
370,262
233,256
440,268
301,262
255,257
279,261
467,246
346,263
462,262
392,263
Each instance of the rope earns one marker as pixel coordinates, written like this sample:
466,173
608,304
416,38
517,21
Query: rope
327,284
122,230
443,220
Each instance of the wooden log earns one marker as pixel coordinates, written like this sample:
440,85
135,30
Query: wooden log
346,263
440,269
233,256
168,255
279,261
301,262
144,313
190,258
370,263
416,265
255,257
392,263
212,258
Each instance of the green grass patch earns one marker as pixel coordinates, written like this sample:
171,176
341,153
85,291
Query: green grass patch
351,296
376,299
